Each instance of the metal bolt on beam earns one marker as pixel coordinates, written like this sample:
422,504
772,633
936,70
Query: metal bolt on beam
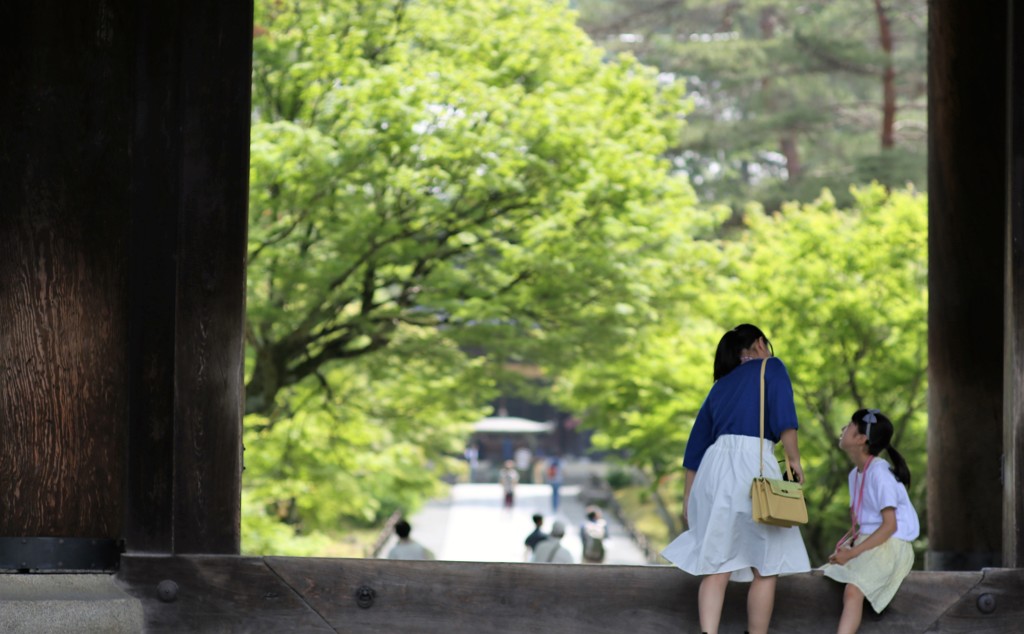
986,603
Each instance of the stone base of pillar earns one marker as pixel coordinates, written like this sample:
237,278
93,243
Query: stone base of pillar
63,603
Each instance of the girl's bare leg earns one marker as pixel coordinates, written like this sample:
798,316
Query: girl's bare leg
853,610
760,603
710,599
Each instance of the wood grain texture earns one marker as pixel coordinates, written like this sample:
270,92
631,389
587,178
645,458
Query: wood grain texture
966,220
216,68
216,594
123,186
458,597
239,594
1013,370
149,502
64,147
1006,588
414,596
188,276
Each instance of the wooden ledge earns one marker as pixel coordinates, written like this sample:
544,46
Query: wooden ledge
244,594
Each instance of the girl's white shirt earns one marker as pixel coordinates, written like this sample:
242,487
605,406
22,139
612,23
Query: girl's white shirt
882,490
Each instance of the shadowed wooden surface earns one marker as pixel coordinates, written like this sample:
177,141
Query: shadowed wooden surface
62,239
187,276
1013,330
123,188
216,594
966,221
240,594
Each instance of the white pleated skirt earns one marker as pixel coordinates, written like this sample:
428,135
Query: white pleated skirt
723,536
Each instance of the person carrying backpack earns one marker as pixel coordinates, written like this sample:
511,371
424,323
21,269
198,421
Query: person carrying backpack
593,533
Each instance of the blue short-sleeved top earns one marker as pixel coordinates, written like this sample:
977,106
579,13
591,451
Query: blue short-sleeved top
733,407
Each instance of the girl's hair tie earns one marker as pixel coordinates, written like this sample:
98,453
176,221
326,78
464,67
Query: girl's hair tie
869,420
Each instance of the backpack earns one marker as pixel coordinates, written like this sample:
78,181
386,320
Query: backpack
593,548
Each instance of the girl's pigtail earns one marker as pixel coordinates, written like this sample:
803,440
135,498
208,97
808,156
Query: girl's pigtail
899,466
879,430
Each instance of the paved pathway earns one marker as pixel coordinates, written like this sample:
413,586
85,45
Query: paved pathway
471,525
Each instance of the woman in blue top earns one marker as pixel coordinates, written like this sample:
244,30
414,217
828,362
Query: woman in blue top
721,460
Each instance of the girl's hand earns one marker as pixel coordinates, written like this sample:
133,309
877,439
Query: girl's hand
876,538
841,556
686,521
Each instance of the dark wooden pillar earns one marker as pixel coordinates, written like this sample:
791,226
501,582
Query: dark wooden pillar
967,202
123,193
187,289
65,148
1013,376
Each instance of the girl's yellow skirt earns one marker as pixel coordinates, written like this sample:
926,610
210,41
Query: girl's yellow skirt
878,572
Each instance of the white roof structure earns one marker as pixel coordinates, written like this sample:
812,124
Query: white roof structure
512,425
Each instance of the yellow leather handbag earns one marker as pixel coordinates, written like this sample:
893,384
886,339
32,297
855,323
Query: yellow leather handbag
776,502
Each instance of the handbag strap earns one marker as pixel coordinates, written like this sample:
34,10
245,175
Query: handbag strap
764,364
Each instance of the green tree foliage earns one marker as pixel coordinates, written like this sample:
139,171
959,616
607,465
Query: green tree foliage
791,96
842,295
371,435
429,178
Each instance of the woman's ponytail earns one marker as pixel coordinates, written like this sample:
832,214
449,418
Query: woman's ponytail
727,355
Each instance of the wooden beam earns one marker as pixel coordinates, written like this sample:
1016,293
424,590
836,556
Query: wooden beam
156,203
123,180
1013,371
216,70
380,596
187,291
966,220
215,594
65,146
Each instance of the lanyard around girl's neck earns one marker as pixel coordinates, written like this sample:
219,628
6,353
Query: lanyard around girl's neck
858,501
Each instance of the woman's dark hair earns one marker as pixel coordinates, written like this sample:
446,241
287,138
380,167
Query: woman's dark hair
878,428
727,356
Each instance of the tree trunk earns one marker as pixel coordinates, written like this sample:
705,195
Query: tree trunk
888,76
788,147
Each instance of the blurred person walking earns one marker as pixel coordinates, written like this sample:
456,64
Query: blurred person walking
406,548
551,550
593,532
536,536
509,478
555,478
523,459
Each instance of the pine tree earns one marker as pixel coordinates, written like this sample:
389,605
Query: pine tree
790,96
